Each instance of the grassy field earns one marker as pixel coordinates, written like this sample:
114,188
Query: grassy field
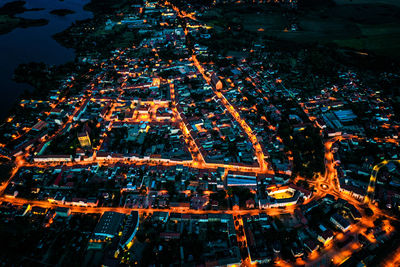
358,2
382,39
372,25
269,22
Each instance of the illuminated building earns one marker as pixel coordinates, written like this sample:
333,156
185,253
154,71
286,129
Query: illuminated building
215,82
63,211
156,82
179,206
39,126
130,229
353,211
296,251
340,222
354,191
283,196
325,237
38,210
238,179
108,226
311,246
52,158
84,139
161,215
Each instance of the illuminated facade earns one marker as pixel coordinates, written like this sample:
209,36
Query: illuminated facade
84,139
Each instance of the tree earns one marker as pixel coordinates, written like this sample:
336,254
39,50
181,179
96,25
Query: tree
170,186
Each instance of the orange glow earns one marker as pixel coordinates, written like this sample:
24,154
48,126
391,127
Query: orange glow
327,183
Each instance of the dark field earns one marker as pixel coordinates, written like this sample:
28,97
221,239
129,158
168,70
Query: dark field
364,25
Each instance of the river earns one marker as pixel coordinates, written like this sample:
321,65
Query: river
35,44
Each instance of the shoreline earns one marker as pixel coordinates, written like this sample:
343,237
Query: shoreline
15,23
26,23
9,21
62,12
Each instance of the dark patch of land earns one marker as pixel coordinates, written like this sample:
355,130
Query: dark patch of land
9,21
85,38
5,170
16,7
361,25
62,12
107,6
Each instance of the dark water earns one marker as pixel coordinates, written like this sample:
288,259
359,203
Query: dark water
35,44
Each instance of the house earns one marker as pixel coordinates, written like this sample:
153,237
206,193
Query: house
250,203
84,139
170,235
63,211
199,202
38,210
391,166
340,222
325,237
179,205
296,251
215,81
51,158
39,126
214,204
353,190
240,179
310,245
129,230
161,215
353,211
